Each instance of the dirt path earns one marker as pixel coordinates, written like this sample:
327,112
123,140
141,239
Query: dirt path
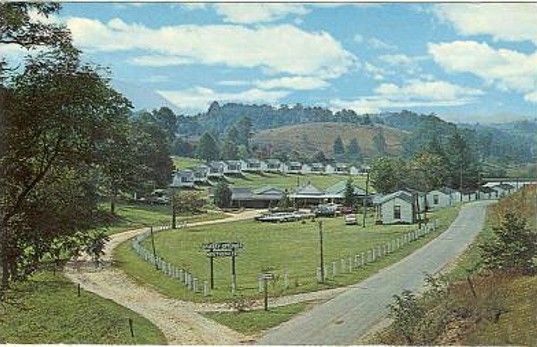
178,320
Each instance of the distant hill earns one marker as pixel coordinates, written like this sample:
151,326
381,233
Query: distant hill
311,137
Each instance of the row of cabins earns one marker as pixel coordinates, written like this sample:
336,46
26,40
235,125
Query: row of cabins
304,196
202,174
403,206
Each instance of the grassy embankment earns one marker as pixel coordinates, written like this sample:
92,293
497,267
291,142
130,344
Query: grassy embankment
132,216
46,309
469,320
291,247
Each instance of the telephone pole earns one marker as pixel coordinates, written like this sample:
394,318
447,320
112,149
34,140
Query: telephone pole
364,202
321,249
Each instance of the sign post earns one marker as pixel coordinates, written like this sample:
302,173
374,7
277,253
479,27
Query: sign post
153,246
266,277
223,249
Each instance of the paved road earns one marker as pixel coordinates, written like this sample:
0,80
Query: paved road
351,314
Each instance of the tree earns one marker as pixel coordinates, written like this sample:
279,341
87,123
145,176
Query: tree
167,120
349,198
284,202
379,142
406,313
338,147
182,148
152,153
463,164
513,246
244,129
230,148
50,131
354,151
208,148
318,157
222,195
388,174
95,243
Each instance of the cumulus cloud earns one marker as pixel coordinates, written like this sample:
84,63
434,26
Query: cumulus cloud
277,49
286,83
507,21
531,97
415,93
427,90
199,98
246,13
379,44
504,68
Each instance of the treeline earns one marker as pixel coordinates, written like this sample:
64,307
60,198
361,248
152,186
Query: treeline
219,118
452,162
67,139
505,144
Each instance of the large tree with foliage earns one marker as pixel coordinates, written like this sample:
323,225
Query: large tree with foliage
463,162
349,198
379,142
230,147
338,147
513,246
222,195
354,152
56,114
388,174
208,148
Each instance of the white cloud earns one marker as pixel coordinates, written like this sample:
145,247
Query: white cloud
358,38
277,49
199,98
287,83
374,71
509,22
416,93
397,59
504,68
247,13
427,90
295,83
531,97
379,44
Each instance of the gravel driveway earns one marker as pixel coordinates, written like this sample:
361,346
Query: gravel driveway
178,320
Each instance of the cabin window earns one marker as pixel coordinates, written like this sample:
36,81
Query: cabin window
397,212
435,199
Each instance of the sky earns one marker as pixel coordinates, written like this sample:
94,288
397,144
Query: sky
464,62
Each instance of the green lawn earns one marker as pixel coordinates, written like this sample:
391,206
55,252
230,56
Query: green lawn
276,247
254,322
291,181
185,162
47,310
132,216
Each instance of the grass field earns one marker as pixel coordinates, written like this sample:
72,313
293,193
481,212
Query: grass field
292,181
131,216
254,322
275,247
185,162
47,310
312,137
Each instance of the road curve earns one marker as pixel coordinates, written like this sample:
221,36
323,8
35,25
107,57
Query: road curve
348,316
177,319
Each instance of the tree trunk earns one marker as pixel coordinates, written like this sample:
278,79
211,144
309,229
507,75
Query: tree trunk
113,203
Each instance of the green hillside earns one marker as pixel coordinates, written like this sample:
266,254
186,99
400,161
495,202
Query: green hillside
309,138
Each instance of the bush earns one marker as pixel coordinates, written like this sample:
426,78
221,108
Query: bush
513,246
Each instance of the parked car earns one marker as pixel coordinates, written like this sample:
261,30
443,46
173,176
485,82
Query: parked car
329,210
350,219
347,209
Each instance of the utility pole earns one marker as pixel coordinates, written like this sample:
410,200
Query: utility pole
364,202
460,182
321,249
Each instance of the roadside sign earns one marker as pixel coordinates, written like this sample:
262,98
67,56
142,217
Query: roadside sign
266,276
222,246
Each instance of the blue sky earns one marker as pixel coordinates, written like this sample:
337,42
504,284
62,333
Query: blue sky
464,62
